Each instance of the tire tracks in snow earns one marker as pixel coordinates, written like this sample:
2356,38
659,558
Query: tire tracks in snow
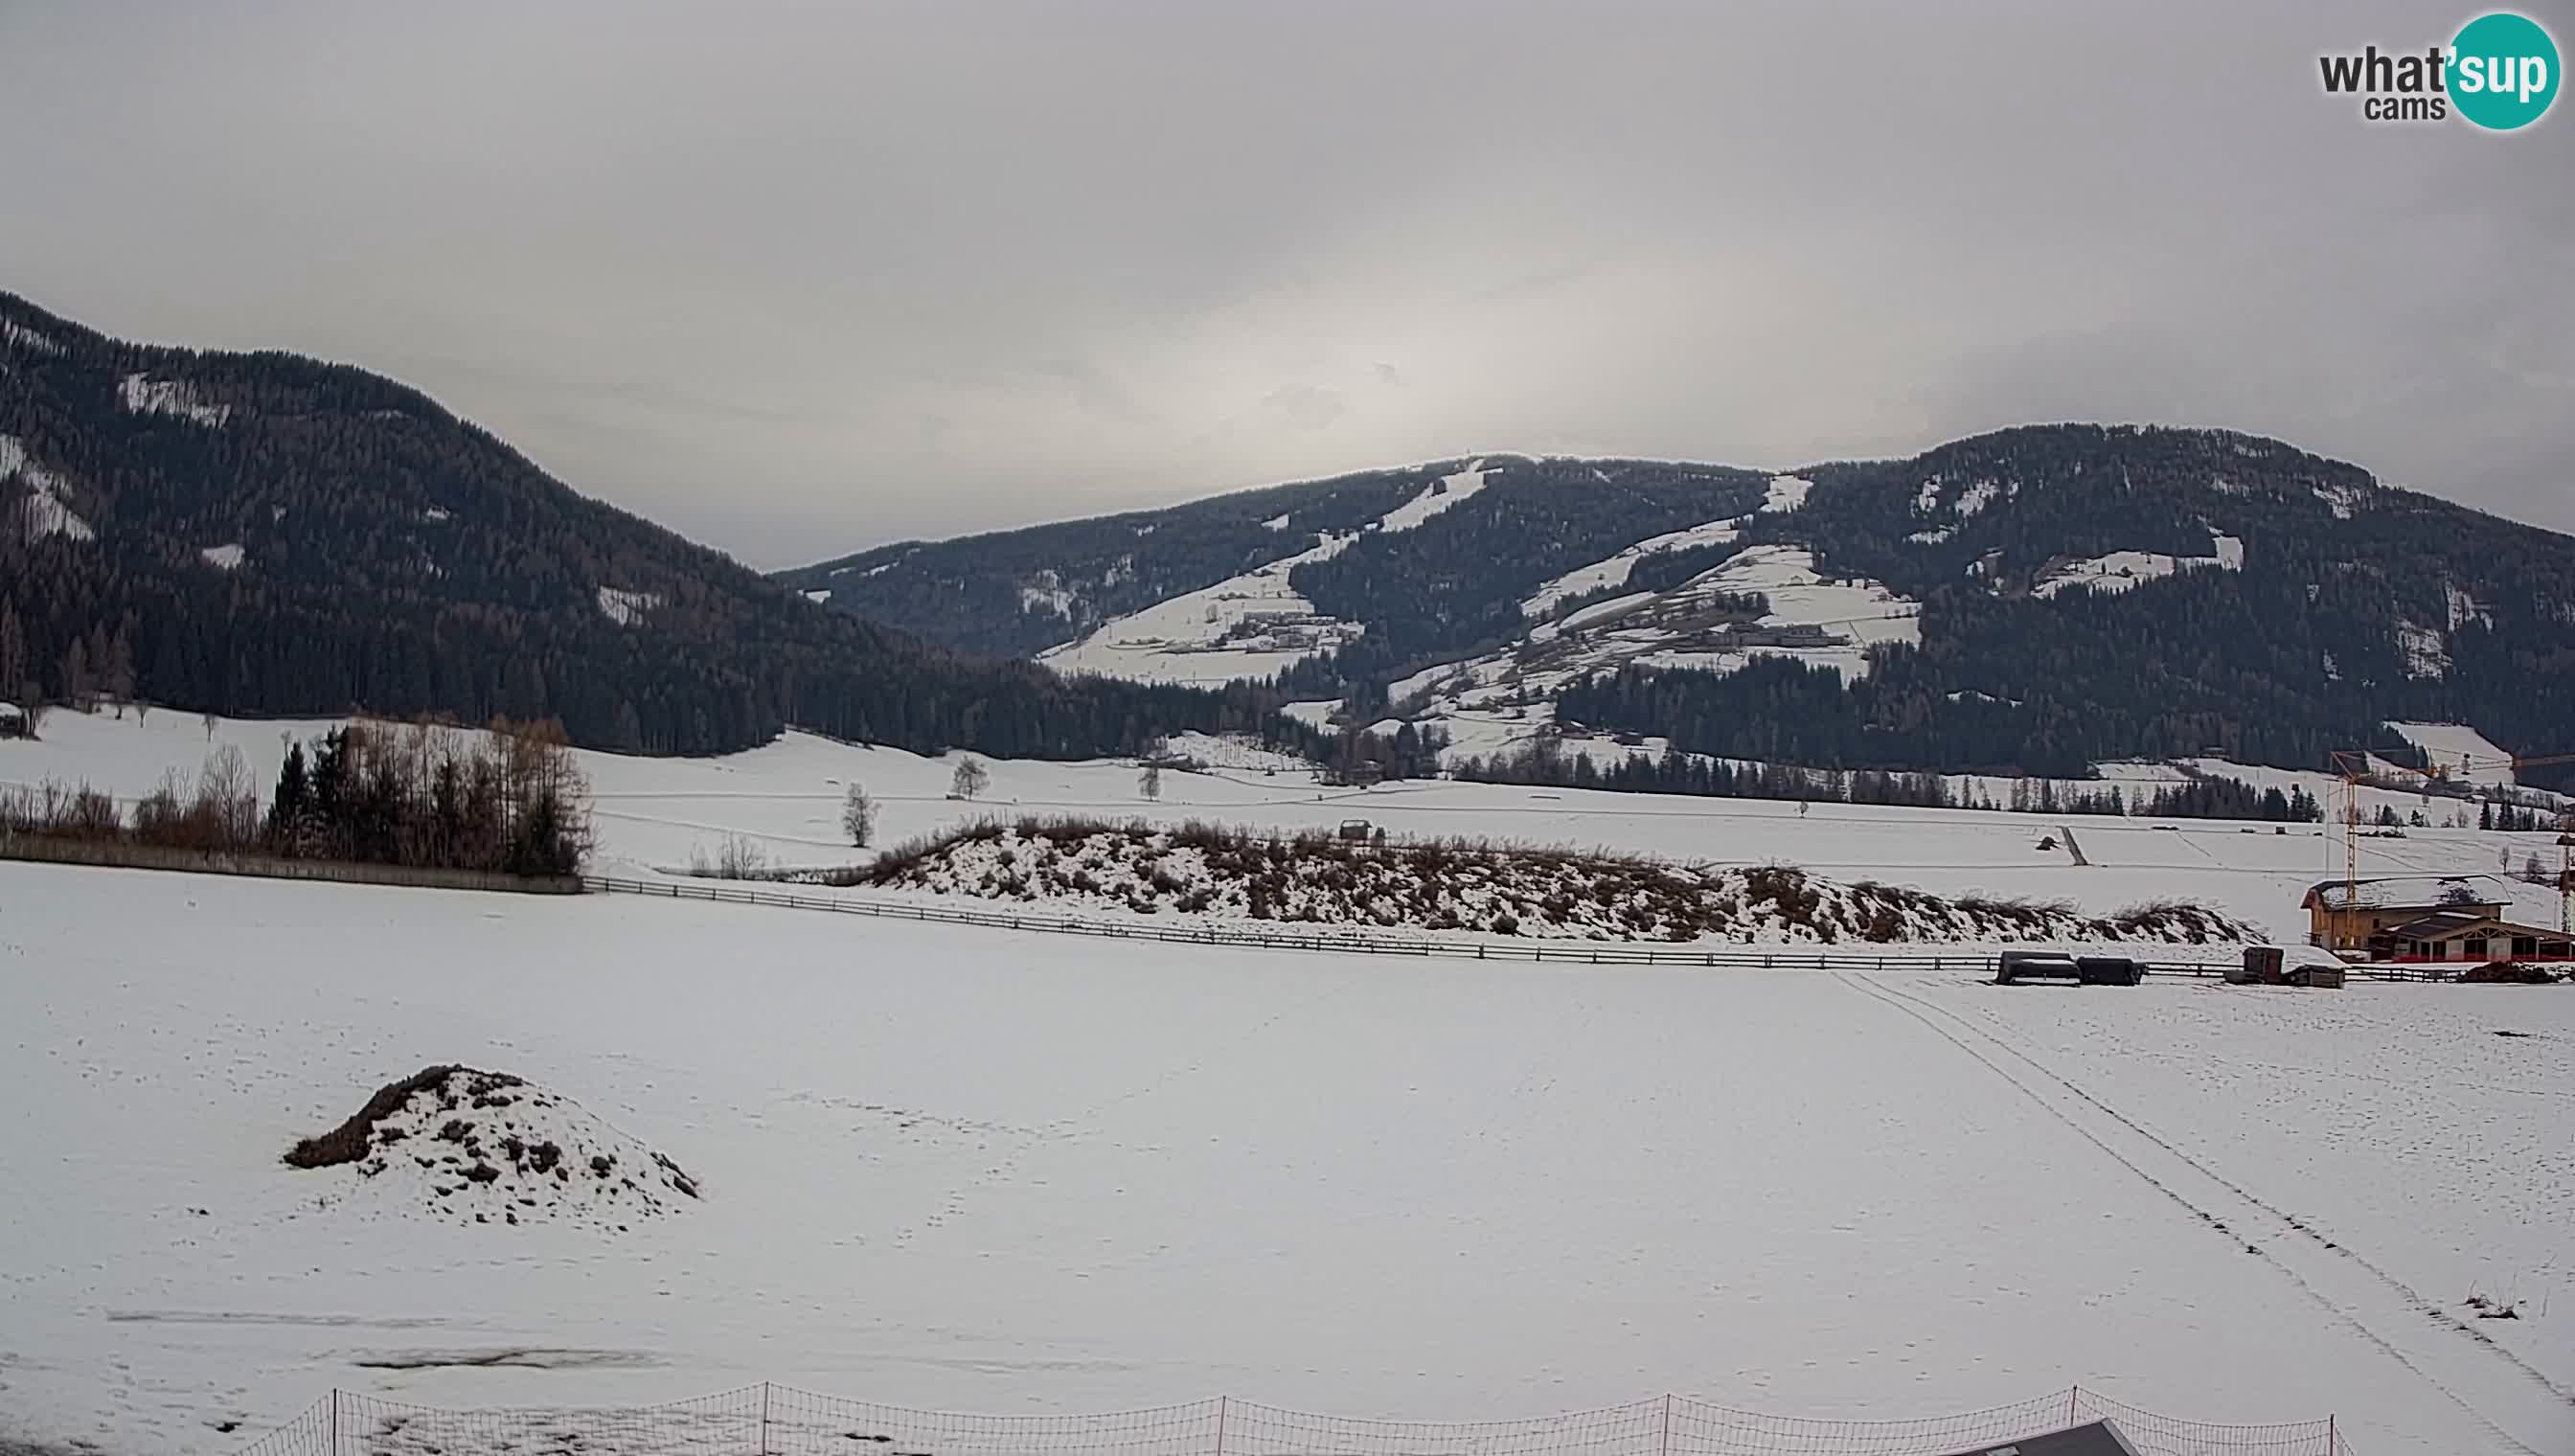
2370,1300
2415,1297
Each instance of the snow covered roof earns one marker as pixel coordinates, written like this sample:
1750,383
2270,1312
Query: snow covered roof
11,710
2407,892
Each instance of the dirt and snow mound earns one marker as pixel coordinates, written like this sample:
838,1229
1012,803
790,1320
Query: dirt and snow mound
1203,871
486,1147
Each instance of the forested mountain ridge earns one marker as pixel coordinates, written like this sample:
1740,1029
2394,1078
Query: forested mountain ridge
269,534
1019,592
2299,605
1434,585
2033,600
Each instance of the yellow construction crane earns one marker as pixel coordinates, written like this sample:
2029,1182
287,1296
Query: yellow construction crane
2354,768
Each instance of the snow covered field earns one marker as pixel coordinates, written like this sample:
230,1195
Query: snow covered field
652,813
960,1168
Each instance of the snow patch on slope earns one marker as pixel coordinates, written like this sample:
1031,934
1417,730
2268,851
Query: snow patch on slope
1495,703
1047,594
44,511
19,336
1785,494
2466,755
626,608
1434,498
1932,537
178,398
818,595
227,558
2464,608
1251,626
1312,714
2120,571
2426,656
1597,611
1853,614
1613,571
2341,500
1978,496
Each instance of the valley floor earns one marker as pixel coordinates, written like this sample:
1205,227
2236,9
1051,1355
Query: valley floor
784,798
969,1169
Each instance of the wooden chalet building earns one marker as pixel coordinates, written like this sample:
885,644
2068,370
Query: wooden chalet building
2425,917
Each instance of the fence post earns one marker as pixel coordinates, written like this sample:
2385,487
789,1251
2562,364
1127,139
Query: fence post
335,1421
2073,1394
1220,1402
763,1418
1664,1443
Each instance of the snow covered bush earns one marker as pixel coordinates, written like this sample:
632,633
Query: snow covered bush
1318,878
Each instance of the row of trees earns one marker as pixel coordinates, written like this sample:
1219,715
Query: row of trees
511,798
1547,760
2512,819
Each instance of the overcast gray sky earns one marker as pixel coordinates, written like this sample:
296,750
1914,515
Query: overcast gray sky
799,279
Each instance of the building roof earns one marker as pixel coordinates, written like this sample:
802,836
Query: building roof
2457,922
2407,892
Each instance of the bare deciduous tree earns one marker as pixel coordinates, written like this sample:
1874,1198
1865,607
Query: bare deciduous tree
859,817
227,792
737,856
1150,783
970,778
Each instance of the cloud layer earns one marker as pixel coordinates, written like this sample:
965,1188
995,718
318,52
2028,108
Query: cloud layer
795,279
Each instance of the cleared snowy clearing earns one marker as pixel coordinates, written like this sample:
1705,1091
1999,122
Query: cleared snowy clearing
1251,626
2460,751
2120,570
965,1170
1613,571
1452,489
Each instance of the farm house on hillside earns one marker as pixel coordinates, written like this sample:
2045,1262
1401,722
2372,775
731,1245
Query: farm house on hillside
2424,917
13,720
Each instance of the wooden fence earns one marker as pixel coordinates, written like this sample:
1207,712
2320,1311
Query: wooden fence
119,854
2209,961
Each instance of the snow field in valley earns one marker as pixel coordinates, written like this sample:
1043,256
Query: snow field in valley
651,814
969,1169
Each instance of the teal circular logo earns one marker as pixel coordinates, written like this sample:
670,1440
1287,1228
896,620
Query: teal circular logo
2503,71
